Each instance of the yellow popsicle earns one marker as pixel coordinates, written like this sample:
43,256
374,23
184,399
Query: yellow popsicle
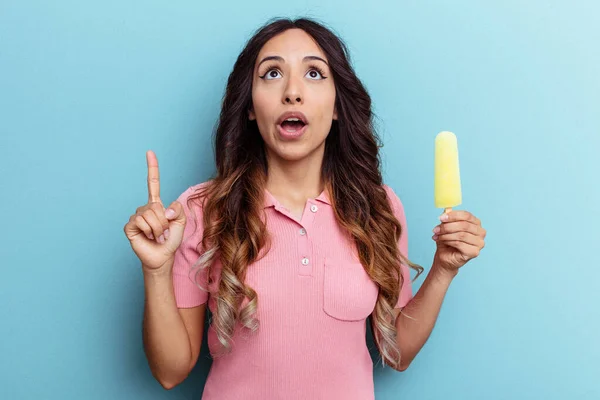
447,191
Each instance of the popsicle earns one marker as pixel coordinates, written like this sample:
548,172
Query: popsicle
447,191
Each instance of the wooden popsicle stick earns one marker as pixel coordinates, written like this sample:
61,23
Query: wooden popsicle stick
447,210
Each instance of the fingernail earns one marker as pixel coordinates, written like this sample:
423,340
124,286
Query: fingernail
436,229
161,239
166,234
151,236
444,217
170,213
434,237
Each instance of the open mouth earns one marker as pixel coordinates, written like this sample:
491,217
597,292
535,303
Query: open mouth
292,125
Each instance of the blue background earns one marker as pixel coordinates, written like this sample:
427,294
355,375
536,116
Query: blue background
87,89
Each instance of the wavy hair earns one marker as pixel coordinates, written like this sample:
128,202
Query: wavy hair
233,229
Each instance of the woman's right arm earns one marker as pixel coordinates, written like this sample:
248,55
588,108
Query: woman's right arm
172,337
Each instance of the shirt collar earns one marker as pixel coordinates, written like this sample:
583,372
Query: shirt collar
270,200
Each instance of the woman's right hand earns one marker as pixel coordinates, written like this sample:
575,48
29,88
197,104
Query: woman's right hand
155,235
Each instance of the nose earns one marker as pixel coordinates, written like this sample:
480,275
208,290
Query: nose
288,100
293,92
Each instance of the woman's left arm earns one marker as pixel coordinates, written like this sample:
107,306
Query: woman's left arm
459,238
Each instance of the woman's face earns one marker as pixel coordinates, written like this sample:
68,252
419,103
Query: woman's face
291,74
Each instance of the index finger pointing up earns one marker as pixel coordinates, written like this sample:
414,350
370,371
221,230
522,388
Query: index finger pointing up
153,178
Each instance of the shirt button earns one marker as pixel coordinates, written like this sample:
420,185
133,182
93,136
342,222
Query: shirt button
302,231
305,261
313,208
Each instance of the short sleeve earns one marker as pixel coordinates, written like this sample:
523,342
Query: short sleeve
187,292
406,291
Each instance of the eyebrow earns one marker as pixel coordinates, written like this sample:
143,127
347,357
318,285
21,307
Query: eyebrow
278,58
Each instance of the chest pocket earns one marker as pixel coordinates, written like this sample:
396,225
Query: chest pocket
349,294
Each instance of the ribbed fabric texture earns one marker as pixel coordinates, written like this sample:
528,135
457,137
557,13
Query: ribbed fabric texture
313,300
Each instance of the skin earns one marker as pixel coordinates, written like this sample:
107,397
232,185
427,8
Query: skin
293,84
294,176
460,238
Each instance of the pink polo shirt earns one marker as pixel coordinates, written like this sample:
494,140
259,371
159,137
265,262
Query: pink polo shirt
313,300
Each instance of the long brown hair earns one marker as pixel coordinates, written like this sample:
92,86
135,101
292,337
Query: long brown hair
233,229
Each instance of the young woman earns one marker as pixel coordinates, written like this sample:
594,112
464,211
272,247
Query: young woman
294,243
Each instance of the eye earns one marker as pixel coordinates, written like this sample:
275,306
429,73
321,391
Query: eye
270,74
315,74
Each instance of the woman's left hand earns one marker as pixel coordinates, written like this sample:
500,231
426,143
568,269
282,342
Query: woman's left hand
459,238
